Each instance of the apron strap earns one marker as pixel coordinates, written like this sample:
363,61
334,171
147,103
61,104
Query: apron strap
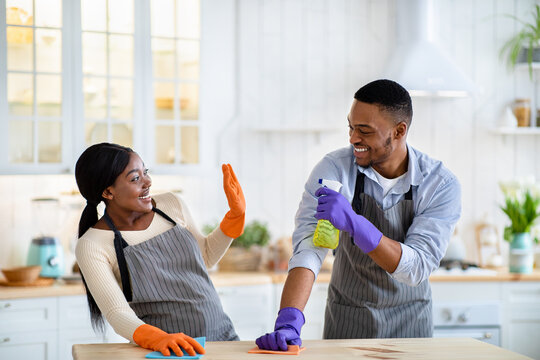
165,216
359,189
119,245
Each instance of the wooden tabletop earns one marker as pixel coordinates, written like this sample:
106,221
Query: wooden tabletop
391,349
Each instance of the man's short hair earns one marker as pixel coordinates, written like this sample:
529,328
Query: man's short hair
390,97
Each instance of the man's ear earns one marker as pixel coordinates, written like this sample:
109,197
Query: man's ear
107,194
400,130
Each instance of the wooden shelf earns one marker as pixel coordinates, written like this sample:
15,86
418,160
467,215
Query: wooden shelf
535,65
290,129
517,131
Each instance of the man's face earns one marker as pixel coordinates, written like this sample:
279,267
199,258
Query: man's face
371,132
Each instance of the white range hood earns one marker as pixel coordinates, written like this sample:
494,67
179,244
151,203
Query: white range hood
418,63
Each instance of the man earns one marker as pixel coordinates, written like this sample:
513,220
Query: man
396,212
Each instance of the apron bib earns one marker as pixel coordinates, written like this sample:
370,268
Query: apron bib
166,283
363,300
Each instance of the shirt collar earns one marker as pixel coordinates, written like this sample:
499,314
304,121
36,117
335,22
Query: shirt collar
413,178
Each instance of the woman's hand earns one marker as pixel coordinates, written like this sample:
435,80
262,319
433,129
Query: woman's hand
153,338
232,224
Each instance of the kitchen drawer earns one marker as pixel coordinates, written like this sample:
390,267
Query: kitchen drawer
67,338
35,345
251,302
74,312
28,315
250,309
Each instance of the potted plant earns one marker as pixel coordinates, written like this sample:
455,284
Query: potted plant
525,45
245,253
522,206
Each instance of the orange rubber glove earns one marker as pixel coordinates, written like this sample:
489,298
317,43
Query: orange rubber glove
153,338
232,224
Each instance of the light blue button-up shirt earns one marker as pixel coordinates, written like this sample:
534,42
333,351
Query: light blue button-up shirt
437,207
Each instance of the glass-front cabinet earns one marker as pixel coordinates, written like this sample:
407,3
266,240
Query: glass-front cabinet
78,72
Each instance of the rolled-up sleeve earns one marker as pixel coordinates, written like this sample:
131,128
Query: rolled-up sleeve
439,209
305,254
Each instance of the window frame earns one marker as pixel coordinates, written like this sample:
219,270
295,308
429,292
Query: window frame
73,120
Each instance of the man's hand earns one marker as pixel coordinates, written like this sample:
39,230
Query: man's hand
333,206
286,331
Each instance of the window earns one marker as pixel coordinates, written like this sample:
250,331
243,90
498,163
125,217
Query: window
34,81
175,57
99,70
107,67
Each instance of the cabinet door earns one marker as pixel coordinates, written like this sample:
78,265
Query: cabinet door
522,310
74,325
28,315
69,337
35,345
314,311
73,312
250,309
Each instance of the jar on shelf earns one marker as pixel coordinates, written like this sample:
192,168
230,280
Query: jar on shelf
538,117
522,110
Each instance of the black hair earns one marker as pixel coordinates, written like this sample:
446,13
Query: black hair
97,168
390,97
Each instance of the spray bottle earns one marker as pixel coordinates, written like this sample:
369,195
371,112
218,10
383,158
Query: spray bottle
326,235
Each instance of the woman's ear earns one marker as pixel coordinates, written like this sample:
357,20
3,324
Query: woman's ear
107,194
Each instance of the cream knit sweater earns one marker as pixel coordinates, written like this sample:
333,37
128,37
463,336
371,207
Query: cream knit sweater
97,259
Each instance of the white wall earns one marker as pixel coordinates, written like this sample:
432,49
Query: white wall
296,64
301,62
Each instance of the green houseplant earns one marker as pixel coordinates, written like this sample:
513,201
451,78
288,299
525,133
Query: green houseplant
245,253
522,206
525,45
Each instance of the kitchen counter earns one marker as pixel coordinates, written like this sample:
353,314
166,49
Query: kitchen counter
221,279
431,348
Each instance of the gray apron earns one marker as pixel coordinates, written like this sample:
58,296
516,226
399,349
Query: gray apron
165,281
363,300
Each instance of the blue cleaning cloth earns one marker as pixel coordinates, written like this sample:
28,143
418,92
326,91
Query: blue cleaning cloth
159,355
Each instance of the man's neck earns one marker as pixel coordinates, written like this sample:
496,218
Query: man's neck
396,166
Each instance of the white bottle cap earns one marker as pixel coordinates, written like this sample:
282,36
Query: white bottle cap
331,184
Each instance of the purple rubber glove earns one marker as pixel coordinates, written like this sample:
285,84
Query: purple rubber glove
286,332
335,208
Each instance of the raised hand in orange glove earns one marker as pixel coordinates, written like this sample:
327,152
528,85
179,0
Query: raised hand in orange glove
153,338
232,224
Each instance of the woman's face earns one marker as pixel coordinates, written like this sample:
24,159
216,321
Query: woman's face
131,189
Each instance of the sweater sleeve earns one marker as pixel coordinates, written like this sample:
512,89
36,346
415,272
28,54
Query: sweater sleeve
96,259
213,246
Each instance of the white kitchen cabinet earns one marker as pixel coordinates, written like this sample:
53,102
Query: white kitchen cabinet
522,318
28,329
250,309
29,345
46,328
28,315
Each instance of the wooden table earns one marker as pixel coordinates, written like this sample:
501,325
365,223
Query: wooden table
378,349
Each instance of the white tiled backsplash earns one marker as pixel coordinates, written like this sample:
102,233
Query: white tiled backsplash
18,225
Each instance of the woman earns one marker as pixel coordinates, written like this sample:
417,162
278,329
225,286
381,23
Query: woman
144,261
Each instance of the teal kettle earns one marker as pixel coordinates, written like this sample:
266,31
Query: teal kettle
47,252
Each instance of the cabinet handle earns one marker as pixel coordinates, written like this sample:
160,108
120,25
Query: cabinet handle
6,305
5,340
